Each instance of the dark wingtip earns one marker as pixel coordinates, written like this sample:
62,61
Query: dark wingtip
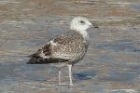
34,59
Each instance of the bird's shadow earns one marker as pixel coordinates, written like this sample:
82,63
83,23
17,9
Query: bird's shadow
84,75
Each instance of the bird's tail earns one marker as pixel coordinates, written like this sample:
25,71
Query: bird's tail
35,59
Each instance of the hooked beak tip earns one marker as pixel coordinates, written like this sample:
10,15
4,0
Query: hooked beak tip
95,25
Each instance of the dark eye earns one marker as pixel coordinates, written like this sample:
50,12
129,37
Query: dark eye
82,22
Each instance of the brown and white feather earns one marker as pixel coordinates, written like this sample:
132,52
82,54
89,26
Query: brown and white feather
69,48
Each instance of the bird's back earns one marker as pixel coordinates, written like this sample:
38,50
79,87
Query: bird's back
72,48
63,48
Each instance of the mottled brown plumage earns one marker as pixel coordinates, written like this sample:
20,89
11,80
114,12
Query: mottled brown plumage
67,49
70,47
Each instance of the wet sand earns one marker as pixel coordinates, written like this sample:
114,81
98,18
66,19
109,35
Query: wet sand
112,64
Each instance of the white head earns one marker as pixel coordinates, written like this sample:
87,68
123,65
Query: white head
80,24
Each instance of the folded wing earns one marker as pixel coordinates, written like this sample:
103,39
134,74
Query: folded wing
60,49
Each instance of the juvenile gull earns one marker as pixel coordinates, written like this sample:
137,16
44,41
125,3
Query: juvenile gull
65,50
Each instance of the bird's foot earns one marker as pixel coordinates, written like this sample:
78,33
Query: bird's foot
71,84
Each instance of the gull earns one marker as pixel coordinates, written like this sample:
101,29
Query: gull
65,49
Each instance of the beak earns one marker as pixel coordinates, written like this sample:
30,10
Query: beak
95,25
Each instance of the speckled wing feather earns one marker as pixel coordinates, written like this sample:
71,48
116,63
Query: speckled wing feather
61,48
71,47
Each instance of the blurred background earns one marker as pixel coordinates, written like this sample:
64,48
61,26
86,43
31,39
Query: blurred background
112,64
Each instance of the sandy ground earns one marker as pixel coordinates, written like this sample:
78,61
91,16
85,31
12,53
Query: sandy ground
112,64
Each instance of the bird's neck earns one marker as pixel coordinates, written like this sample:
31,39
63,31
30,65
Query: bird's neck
84,34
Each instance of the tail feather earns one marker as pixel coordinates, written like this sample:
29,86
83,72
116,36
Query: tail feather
34,59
